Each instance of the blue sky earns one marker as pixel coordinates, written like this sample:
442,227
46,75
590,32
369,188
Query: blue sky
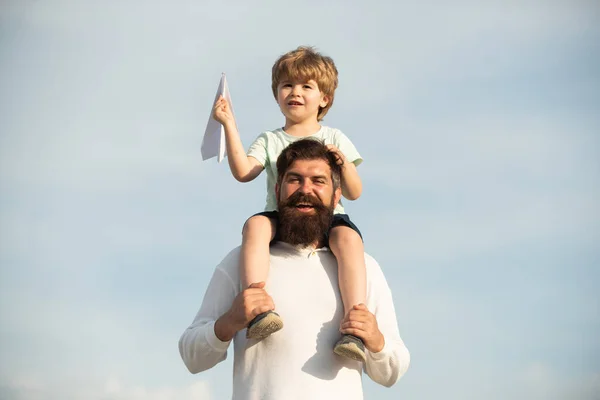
479,126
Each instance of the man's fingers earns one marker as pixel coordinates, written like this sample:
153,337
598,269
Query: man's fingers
261,309
359,333
353,324
358,315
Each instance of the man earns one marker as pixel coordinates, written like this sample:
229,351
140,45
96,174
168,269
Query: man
297,362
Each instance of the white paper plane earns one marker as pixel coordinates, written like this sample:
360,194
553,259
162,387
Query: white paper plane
213,143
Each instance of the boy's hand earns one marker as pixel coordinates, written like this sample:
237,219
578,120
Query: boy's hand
340,157
361,323
222,111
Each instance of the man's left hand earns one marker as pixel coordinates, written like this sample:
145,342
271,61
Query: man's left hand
361,323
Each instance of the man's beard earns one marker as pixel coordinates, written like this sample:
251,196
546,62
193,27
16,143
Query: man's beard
298,228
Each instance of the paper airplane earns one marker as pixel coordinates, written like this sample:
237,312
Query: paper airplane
213,143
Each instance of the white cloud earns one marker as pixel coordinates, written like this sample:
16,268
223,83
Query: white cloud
112,389
115,390
541,381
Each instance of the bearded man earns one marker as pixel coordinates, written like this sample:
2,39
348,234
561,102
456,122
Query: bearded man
297,362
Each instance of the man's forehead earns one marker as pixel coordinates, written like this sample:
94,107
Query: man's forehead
310,167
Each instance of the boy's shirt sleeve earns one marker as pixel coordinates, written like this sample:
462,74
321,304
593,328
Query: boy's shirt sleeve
258,149
347,147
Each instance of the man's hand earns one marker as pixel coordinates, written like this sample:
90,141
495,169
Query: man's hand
246,305
340,157
222,111
361,323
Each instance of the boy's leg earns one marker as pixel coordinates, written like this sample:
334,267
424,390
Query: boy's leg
347,246
257,233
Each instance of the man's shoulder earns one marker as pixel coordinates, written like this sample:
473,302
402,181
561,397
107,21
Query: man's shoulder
229,265
373,266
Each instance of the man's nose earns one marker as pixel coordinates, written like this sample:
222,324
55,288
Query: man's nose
306,186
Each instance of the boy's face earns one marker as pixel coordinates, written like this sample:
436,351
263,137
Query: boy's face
300,101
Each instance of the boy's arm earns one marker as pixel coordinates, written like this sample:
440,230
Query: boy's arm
243,167
351,183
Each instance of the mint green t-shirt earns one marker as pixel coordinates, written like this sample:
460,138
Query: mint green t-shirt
269,145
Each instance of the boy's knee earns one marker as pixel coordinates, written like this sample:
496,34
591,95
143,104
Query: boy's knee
257,223
344,235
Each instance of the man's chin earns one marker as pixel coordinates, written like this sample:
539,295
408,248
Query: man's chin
303,226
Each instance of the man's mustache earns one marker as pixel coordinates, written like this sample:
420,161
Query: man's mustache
303,198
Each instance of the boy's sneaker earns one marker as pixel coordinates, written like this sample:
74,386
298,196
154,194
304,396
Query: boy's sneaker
352,347
263,325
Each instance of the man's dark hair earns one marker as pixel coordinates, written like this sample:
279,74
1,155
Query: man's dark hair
308,149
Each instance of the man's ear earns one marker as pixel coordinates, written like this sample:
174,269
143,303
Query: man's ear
277,192
337,195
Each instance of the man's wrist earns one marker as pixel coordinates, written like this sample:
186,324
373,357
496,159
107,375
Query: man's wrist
224,328
380,345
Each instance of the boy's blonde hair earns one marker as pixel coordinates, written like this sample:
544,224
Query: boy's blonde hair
304,64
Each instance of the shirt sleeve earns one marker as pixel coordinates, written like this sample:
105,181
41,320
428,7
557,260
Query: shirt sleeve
258,149
343,143
390,364
199,347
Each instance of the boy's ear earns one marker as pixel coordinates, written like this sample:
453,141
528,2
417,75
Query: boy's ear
324,101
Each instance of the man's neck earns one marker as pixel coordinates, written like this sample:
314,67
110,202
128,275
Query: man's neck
317,244
302,129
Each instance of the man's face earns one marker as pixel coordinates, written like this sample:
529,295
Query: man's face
306,200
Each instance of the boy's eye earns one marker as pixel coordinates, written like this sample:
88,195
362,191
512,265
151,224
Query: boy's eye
307,87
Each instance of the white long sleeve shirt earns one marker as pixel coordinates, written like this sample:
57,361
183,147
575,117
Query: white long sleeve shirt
298,361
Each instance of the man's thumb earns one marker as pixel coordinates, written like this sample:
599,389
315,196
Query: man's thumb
257,285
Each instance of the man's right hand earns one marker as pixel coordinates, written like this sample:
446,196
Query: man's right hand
246,305
222,111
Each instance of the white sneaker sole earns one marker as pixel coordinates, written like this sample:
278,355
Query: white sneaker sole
271,323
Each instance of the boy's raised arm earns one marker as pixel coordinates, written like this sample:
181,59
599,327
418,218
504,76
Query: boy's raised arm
243,168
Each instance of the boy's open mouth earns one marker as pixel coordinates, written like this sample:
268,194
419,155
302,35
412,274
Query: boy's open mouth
294,103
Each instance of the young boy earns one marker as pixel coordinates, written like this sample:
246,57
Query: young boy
303,83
